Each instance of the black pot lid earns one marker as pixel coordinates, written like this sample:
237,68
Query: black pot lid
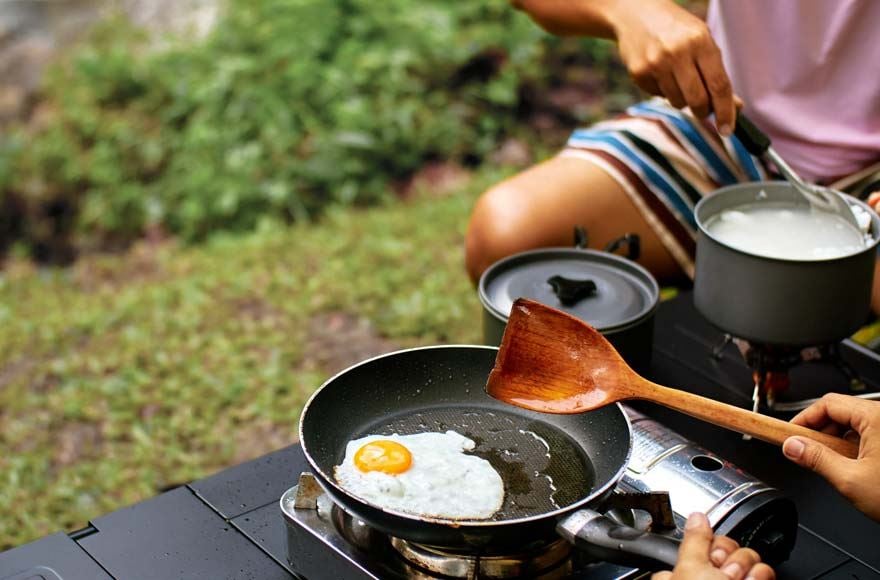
602,289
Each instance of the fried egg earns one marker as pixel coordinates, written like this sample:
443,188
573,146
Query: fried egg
426,474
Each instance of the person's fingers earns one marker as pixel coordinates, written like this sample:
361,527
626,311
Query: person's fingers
833,429
643,75
722,547
813,417
691,85
761,571
874,200
665,575
697,540
738,564
719,88
819,458
669,89
833,407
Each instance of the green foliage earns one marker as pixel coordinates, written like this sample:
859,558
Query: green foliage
286,107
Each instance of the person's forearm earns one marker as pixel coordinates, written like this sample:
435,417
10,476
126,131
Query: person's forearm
666,50
596,18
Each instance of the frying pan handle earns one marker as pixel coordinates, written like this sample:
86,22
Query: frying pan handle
603,538
755,140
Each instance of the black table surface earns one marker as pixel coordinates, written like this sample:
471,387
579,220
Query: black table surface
229,525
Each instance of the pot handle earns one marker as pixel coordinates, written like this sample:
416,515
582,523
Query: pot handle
633,246
632,242
603,538
755,140
581,239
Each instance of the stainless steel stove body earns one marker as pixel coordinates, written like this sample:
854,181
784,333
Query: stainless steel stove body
662,461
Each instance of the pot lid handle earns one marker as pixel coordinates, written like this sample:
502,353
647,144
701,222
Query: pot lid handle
631,242
570,291
633,245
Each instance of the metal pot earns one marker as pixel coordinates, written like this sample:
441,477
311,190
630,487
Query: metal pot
614,294
777,301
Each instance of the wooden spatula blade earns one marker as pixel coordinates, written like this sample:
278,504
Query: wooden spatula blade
540,368
552,362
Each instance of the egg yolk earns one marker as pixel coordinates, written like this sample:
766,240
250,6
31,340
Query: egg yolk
383,455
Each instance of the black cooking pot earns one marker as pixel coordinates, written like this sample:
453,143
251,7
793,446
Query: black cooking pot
614,294
776,301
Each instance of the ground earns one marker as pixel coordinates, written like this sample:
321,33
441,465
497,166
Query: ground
127,374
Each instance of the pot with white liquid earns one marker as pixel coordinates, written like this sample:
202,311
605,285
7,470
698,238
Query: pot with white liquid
770,269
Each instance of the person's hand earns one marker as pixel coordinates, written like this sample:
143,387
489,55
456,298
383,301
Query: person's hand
670,52
704,556
852,418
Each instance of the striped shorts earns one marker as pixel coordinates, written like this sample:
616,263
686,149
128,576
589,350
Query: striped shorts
666,160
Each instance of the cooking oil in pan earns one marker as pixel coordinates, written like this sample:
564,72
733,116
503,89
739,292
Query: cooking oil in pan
543,469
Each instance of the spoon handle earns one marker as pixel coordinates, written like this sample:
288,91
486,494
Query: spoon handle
762,427
755,141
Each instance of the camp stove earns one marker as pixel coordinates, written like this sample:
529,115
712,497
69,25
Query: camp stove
775,369
668,477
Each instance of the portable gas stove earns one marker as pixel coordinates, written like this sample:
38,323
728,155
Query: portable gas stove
668,477
774,366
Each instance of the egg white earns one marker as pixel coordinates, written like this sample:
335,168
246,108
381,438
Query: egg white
442,482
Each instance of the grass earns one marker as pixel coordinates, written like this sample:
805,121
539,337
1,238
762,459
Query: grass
127,374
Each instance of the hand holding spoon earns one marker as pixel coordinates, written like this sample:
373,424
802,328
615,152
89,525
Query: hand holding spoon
821,198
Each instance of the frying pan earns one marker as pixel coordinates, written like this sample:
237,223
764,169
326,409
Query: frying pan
441,388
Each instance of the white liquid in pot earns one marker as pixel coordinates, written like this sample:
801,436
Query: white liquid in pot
787,232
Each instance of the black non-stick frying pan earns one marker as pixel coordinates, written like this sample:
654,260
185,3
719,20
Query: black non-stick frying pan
442,388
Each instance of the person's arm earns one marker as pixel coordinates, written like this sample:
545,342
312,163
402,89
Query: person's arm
853,418
667,50
705,556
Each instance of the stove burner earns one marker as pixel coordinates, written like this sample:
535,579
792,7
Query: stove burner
546,562
540,559
771,366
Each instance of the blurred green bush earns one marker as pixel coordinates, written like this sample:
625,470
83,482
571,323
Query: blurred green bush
286,107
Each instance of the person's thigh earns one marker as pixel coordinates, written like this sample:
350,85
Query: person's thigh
541,206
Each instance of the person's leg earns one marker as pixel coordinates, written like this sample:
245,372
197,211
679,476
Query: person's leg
541,206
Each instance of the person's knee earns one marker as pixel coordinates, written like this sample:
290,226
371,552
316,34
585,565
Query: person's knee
493,231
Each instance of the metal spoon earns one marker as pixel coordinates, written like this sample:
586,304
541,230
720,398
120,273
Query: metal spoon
821,198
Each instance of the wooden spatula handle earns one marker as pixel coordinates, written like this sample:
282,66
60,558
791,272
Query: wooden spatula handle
762,427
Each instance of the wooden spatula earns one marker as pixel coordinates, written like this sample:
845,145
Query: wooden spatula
552,362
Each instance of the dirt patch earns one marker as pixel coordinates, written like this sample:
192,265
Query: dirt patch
337,340
438,179
16,369
149,411
512,153
256,309
255,439
76,441
142,264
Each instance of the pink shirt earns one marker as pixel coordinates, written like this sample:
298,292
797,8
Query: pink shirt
809,73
